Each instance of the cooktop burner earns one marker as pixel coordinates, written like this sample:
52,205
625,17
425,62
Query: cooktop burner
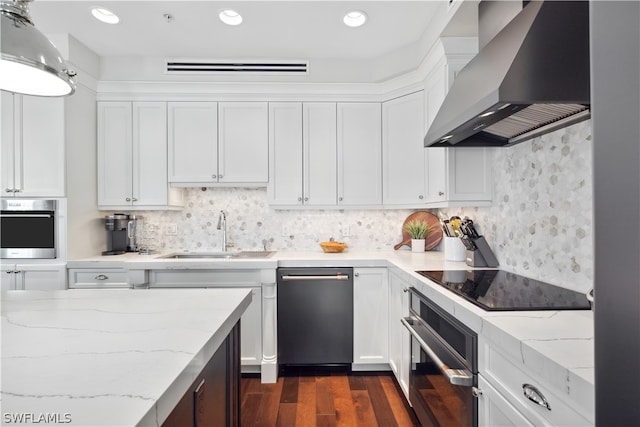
497,290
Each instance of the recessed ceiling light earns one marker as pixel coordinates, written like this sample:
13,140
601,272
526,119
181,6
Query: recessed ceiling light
105,15
230,17
355,18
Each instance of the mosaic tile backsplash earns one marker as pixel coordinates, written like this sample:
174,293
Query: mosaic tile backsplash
540,224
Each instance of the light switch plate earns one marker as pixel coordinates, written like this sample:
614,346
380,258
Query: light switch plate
171,229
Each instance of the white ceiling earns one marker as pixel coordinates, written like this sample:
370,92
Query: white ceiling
299,29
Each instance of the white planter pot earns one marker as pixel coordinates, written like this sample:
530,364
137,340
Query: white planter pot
417,245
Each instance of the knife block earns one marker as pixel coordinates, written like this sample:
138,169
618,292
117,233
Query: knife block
482,256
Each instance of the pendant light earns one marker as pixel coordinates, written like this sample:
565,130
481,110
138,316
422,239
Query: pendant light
30,64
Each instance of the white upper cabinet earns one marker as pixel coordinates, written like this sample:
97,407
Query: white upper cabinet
193,142
302,141
359,154
403,152
243,144
132,156
214,143
33,146
285,151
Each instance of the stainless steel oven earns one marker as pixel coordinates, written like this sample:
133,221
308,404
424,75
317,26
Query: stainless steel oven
27,228
444,367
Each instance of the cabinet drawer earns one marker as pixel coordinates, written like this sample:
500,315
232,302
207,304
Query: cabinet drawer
204,278
85,278
509,379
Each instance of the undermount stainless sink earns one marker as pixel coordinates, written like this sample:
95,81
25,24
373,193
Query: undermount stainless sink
219,255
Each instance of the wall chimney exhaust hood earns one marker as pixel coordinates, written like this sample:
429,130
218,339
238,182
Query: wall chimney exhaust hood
530,79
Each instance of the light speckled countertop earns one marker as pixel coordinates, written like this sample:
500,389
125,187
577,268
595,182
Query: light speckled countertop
108,357
556,345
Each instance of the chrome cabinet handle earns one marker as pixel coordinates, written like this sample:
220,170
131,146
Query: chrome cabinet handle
333,277
356,274
533,394
299,199
440,193
339,199
421,197
8,190
476,392
461,377
17,190
220,176
128,199
214,176
405,290
306,199
101,277
134,199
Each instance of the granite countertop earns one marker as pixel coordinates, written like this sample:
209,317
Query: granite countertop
108,357
556,345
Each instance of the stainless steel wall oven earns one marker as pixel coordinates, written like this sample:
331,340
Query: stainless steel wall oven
27,228
444,366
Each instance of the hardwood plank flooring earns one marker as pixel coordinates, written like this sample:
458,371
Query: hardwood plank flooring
317,398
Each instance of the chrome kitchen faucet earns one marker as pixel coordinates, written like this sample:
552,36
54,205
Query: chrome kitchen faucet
222,225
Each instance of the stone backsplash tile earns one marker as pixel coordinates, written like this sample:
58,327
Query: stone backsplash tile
541,222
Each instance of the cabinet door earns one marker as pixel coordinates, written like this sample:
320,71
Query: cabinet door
41,277
470,174
7,277
8,143
320,154
251,330
285,153
399,338
150,186
42,167
436,176
243,142
359,154
404,155
495,411
370,316
115,163
193,146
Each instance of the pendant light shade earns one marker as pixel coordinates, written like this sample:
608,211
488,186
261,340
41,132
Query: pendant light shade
30,63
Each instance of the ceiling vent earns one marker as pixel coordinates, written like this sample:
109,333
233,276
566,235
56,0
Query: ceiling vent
212,66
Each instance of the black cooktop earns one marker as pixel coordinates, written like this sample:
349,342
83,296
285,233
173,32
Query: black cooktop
498,290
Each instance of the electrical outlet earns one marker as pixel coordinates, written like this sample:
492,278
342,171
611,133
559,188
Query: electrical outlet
171,229
346,230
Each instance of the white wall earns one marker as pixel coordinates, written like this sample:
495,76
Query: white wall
86,234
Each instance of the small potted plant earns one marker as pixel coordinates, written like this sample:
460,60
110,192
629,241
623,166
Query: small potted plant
418,231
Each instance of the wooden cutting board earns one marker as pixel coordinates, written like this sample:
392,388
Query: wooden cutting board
435,230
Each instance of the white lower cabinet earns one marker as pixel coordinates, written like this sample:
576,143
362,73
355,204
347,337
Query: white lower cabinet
514,395
399,337
496,411
370,316
106,278
251,321
33,277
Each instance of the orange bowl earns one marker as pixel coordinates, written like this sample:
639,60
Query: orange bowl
333,247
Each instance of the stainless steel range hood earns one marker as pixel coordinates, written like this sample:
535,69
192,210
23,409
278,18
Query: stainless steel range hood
532,78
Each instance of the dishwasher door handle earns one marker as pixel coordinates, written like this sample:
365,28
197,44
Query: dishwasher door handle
460,377
332,277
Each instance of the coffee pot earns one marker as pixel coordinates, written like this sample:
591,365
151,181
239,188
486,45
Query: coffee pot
121,233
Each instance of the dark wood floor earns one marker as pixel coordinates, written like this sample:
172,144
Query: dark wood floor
321,398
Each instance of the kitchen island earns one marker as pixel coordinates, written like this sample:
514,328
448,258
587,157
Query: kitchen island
109,357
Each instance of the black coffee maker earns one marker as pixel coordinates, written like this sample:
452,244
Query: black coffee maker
121,234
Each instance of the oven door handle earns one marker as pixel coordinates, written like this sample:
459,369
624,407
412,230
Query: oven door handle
460,377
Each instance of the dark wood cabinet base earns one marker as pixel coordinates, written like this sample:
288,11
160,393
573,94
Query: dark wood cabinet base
213,400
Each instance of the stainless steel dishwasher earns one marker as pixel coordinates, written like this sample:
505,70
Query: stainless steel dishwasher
315,316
